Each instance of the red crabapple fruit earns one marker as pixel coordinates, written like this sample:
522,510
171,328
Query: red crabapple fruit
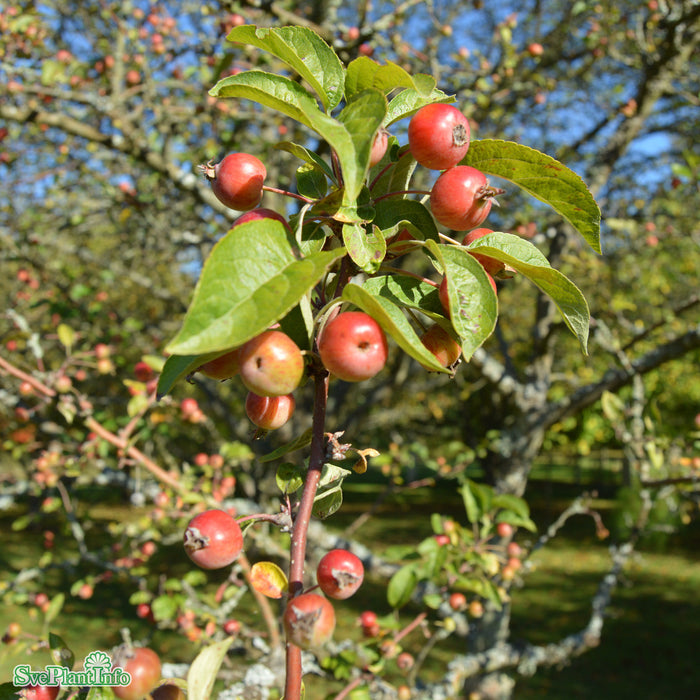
379,146
269,412
461,198
438,136
223,367
213,539
353,346
445,348
237,181
271,364
309,620
261,214
491,265
340,574
505,530
458,601
143,665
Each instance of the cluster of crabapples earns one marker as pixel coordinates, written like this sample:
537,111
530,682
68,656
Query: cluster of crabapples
352,346
213,540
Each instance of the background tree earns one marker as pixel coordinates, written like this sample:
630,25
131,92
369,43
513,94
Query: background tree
105,119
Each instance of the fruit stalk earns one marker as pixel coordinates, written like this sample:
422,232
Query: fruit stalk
301,524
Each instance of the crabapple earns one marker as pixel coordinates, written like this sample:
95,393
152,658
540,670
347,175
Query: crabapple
232,627
63,384
143,371
223,367
491,265
438,136
514,563
340,574
442,540
353,346
143,665
403,235
168,691
461,198
188,406
368,618
269,412
309,620
143,610
369,623
405,661
535,49
458,601
85,591
505,530
514,550
237,181
381,141
260,214
213,539
271,364
476,608
445,348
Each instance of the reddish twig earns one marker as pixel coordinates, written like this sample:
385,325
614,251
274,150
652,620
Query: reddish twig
301,526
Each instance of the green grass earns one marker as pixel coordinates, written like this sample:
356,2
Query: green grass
649,641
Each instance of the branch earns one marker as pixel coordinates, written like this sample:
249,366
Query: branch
615,379
527,658
183,179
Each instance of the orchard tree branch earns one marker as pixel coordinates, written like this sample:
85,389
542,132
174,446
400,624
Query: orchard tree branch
527,658
187,181
615,379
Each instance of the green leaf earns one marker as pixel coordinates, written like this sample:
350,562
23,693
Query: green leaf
297,444
251,280
364,73
391,319
544,178
509,502
613,406
408,102
54,608
289,477
306,155
406,291
60,652
178,367
471,505
304,51
393,214
350,136
367,250
524,257
275,92
473,303
516,520
164,607
311,182
361,117
204,669
398,176
327,503
401,586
